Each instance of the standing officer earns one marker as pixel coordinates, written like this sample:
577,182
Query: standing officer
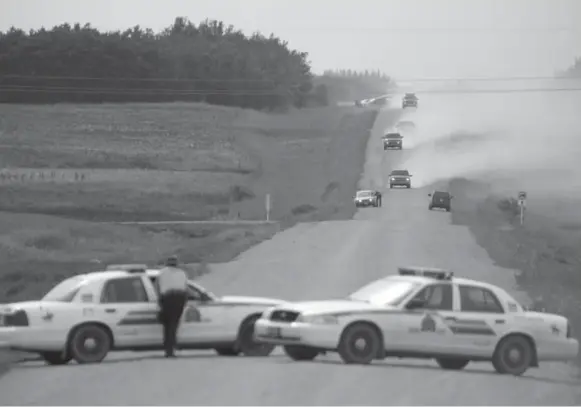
378,197
172,288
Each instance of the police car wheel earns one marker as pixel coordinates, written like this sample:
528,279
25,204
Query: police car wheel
300,353
90,344
227,351
56,358
246,343
360,344
452,364
513,355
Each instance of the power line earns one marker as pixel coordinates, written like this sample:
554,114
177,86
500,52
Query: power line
487,79
120,78
138,92
524,90
247,92
269,81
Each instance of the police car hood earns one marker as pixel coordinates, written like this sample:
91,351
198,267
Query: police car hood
243,300
331,306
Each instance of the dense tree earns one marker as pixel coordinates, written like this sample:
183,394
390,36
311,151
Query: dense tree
574,71
348,84
209,62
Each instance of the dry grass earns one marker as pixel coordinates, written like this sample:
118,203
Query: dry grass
67,166
545,251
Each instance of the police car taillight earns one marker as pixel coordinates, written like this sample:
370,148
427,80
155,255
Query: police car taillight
17,318
438,274
130,268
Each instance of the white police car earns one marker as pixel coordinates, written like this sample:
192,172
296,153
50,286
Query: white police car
422,313
86,316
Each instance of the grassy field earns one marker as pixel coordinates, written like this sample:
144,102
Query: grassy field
68,172
545,250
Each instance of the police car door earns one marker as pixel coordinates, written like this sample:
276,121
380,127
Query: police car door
203,318
129,311
481,320
426,318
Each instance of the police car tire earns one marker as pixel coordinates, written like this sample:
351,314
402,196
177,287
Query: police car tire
227,351
452,364
246,343
95,332
300,353
349,337
499,359
56,358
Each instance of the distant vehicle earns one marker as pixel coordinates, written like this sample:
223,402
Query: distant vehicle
424,313
367,198
392,140
400,178
440,199
409,100
86,316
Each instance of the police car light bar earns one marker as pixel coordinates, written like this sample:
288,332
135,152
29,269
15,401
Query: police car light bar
438,274
131,268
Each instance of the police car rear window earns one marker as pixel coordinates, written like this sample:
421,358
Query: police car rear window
66,290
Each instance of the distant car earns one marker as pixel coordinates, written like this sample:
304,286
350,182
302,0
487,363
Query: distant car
400,178
86,316
392,140
440,199
366,198
422,313
409,100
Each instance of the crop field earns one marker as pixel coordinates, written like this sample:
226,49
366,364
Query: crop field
69,173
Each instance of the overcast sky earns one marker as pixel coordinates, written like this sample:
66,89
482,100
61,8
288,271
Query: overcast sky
404,38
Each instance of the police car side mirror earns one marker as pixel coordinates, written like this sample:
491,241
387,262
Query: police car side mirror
415,303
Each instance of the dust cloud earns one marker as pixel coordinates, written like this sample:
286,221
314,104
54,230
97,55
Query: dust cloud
518,140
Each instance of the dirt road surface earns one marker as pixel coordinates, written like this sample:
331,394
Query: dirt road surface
314,261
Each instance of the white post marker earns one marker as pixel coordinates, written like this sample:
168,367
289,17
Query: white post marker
522,203
267,204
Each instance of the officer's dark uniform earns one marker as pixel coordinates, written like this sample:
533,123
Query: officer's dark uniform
172,287
378,195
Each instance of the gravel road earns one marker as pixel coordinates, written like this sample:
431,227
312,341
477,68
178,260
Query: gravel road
313,261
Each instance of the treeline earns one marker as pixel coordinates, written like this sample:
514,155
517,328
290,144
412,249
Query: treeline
210,62
574,71
348,85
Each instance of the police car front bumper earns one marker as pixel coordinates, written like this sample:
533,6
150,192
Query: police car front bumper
323,336
558,350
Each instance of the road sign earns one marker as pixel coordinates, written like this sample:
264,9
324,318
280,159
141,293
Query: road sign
522,195
267,204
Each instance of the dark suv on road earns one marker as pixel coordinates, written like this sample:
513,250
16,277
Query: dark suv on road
392,140
400,178
409,100
440,199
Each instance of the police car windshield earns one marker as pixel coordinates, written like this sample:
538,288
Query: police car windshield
384,292
65,290
400,172
361,194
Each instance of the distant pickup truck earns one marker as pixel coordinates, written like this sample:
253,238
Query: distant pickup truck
409,100
392,140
